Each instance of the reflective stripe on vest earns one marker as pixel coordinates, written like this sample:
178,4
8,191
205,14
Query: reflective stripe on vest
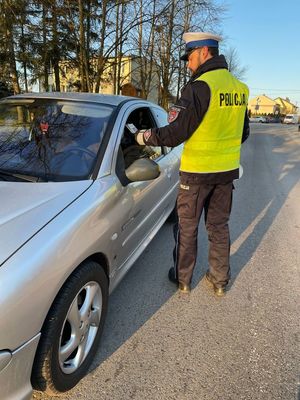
216,143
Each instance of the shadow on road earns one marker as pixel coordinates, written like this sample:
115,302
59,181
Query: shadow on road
271,172
271,169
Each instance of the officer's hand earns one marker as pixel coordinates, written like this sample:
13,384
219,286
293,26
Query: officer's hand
139,137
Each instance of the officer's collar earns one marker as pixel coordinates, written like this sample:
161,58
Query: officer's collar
216,62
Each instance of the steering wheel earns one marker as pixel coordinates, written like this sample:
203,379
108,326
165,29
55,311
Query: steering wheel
79,149
62,165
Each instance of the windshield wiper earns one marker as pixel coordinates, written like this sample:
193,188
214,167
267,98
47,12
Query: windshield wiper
23,177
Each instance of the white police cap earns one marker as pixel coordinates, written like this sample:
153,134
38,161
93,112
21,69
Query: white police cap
199,39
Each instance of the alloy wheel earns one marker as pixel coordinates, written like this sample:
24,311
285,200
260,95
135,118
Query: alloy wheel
80,327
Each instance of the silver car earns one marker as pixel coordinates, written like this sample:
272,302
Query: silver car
80,201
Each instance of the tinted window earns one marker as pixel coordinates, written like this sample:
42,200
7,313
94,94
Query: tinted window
53,140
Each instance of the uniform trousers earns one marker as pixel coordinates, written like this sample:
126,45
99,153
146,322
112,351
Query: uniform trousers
216,201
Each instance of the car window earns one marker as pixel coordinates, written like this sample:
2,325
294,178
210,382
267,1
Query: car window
51,139
141,118
129,151
161,116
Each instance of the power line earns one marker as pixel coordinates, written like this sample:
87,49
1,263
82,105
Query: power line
276,90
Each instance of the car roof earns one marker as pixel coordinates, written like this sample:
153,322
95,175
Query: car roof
113,100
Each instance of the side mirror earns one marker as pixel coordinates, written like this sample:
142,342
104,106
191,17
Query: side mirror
143,169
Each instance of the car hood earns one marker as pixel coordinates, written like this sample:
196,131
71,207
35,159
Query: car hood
27,207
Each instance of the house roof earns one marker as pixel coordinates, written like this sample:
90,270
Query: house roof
285,101
263,96
279,100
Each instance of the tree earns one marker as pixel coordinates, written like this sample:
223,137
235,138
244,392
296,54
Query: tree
5,90
9,11
41,38
179,17
234,65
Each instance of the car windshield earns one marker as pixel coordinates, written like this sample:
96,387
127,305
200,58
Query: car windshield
51,139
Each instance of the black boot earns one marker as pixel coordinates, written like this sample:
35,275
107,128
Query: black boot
172,275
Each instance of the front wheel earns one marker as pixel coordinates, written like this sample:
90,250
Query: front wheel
72,330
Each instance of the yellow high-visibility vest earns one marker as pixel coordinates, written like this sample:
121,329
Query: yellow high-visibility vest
216,144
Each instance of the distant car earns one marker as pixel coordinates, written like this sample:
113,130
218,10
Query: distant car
258,119
291,119
273,120
80,201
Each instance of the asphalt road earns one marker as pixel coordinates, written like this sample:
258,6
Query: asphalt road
160,345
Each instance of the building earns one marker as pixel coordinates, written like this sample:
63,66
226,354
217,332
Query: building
264,105
286,107
130,78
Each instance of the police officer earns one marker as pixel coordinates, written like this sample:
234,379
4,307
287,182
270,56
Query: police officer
211,119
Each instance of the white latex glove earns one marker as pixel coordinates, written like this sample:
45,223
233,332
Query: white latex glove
241,171
139,137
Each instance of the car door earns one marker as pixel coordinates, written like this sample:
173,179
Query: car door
149,202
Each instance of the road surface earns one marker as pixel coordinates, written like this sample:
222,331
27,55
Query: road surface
159,345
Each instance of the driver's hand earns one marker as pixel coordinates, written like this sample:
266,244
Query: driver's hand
139,137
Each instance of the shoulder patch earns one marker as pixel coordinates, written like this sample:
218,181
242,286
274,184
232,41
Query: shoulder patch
173,114
147,134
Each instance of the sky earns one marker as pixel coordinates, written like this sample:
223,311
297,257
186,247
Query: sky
266,35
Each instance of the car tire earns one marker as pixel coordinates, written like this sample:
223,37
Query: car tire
73,324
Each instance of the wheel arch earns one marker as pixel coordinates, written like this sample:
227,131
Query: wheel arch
101,259
98,258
